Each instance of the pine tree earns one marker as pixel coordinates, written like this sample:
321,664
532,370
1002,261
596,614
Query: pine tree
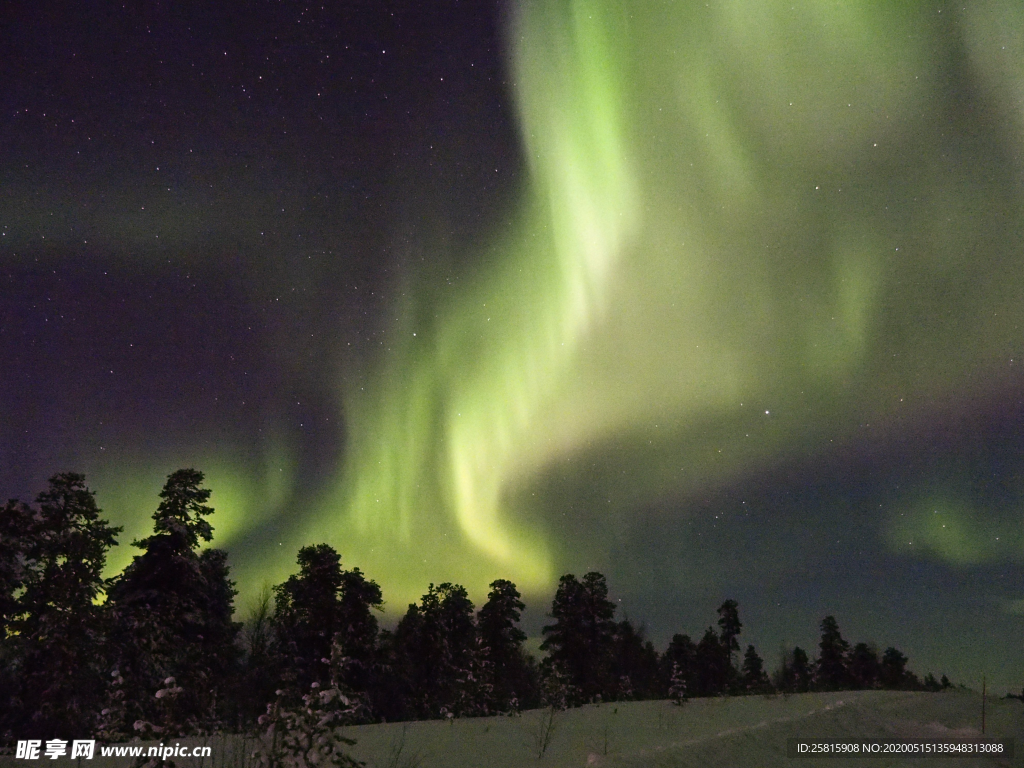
309,733
321,605
712,664
894,670
393,695
53,630
437,651
579,643
729,629
679,665
678,688
170,613
359,629
514,683
832,673
557,690
801,670
307,616
794,674
754,678
865,669
635,663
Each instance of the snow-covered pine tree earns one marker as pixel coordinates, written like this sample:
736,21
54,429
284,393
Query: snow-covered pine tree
557,689
308,734
755,679
677,689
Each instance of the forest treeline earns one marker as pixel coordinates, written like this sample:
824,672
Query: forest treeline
155,652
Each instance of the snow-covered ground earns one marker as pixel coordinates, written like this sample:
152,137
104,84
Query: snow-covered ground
742,731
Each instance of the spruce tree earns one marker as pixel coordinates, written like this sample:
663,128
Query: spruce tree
679,665
580,642
894,670
358,631
307,616
712,662
832,673
729,629
802,674
396,695
322,605
309,733
172,635
754,678
865,669
513,678
795,674
678,687
54,631
635,663
444,671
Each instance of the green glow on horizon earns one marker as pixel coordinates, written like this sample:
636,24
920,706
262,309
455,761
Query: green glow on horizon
243,497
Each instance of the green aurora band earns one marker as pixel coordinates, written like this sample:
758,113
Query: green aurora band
729,207
748,229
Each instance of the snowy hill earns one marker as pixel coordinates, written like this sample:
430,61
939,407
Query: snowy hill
742,731
733,732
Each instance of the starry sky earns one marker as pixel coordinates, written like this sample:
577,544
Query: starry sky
721,299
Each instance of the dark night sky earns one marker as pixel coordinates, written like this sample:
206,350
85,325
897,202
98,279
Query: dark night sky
723,302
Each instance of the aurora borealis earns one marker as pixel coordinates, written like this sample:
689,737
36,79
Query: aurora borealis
721,299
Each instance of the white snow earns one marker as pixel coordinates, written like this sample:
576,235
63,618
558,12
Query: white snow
740,731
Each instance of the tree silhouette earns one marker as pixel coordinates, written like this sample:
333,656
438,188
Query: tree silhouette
832,673
181,516
166,645
635,664
931,684
579,643
320,606
17,530
865,669
172,637
754,678
501,638
729,629
260,674
894,670
795,674
15,540
712,662
306,617
358,630
438,647
679,666
53,629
